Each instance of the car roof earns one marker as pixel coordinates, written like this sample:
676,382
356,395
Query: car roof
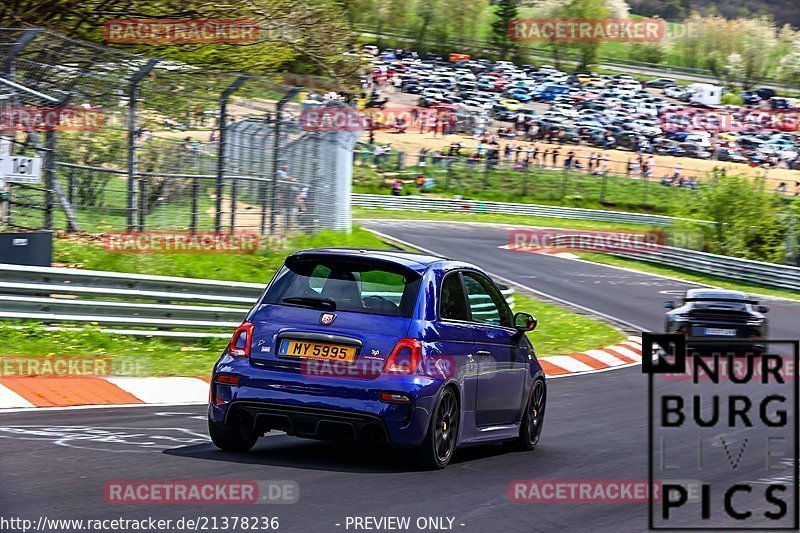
714,294
414,261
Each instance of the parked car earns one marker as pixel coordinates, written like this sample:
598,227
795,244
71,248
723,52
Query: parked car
695,150
660,83
750,97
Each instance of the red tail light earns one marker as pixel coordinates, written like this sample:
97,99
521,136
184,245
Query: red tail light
240,342
405,357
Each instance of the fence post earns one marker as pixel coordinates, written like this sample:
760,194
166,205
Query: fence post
526,170
223,126
450,162
263,188
143,202
133,204
644,189
16,48
276,146
49,176
195,204
603,187
791,241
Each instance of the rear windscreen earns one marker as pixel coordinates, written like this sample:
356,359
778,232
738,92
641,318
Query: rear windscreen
335,284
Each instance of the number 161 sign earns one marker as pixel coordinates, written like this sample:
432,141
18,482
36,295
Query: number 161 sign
19,169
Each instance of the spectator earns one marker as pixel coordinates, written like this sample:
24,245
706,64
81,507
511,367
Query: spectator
604,165
397,187
568,160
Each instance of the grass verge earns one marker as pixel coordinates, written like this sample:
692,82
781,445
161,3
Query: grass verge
257,267
560,331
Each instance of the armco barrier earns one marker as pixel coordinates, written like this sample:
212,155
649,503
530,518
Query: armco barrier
427,203
767,274
133,304
745,270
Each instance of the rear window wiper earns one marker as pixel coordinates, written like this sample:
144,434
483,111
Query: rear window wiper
310,301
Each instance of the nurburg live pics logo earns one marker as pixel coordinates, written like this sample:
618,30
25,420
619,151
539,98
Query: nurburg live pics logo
731,424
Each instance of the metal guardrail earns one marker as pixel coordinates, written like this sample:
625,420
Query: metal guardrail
425,203
744,270
133,304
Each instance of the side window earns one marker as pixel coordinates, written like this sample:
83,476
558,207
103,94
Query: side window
485,301
453,304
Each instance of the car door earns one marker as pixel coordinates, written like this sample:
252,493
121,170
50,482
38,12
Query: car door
501,357
455,338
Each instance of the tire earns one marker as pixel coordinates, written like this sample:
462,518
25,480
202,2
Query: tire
238,438
530,429
437,449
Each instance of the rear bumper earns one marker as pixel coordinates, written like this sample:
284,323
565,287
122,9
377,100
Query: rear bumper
325,407
310,422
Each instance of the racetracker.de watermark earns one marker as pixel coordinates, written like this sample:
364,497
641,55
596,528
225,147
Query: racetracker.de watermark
439,366
584,30
342,118
181,31
580,491
534,240
148,242
736,120
72,366
34,118
203,492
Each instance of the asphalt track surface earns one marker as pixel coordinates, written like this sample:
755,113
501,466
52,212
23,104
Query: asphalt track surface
56,463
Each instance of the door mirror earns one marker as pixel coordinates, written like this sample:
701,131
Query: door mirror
762,308
524,322
669,304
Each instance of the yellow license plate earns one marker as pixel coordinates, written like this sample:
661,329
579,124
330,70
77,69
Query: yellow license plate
318,350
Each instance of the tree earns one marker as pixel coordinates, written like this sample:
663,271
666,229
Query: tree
741,51
463,17
314,30
586,9
505,12
587,52
648,52
746,218
789,68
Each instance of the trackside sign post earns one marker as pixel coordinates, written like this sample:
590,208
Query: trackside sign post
20,169
722,433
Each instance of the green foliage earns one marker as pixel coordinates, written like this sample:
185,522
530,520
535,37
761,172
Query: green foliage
732,99
746,219
314,30
257,267
505,12
648,53
588,52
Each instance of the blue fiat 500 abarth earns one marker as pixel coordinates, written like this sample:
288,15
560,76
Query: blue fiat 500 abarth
383,346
